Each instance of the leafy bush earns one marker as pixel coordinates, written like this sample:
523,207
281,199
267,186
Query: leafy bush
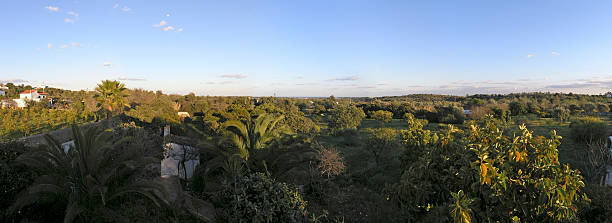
561,114
447,114
345,117
381,115
518,108
259,198
381,141
589,130
486,176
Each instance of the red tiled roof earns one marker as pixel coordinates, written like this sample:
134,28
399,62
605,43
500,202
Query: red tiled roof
32,91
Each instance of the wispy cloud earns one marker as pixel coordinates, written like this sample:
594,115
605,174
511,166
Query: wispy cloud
64,46
349,78
106,64
160,24
75,44
571,86
167,14
51,8
555,53
126,9
235,76
299,77
14,81
179,30
529,56
72,13
116,6
69,20
131,79
168,28
49,45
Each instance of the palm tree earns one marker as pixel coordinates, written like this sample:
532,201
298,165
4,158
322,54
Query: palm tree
252,134
111,96
88,178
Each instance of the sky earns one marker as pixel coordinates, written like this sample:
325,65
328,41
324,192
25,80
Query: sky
310,47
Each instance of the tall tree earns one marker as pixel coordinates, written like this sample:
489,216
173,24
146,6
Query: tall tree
88,178
111,96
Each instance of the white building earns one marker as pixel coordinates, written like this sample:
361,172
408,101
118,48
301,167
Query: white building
30,95
2,93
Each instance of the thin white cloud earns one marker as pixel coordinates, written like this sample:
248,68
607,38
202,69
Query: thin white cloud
49,45
131,79
167,14
15,81
235,76
126,9
555,53
106,64
529,56
69,20
168,28
72,13
116,6
179,30
51,8
349,78
160,24
64,46
75,44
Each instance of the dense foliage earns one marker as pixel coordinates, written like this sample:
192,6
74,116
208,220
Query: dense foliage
18,123
345,117
87,179
490,165
589,130
259,198
485,175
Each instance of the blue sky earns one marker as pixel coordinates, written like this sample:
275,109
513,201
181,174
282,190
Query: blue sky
310,48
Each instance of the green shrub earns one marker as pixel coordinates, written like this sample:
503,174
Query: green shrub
381,115
486,176
350,137
561,114
518,108
13,178
345,117
449,115
381,142
259,198
589,130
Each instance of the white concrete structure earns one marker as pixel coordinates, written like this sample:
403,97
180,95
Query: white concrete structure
30,95
174,154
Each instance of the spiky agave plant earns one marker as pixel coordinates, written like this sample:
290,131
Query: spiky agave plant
90,177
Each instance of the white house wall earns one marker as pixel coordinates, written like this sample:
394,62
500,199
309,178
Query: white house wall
170,165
